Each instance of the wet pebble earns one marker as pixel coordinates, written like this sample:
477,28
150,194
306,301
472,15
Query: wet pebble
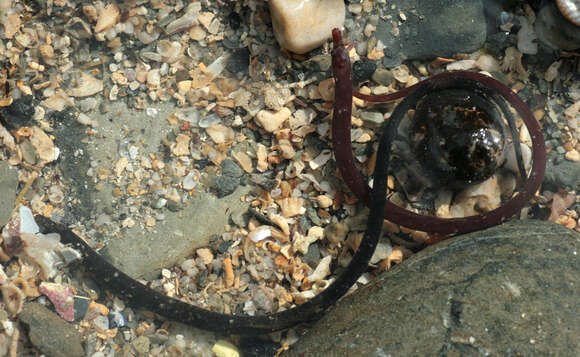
230,168
383,76
225,185
363,70
141,344
374,118
565,174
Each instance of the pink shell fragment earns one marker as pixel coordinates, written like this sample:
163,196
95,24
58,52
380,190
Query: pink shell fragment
62,298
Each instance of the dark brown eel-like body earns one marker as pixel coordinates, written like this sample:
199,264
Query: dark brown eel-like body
141,296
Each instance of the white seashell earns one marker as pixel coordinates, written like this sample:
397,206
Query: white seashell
43,145
153,79
475,199
224,348
303,296
262,156
217,66
570,9
181,24
27,222
487,63
181,147
382,251
170,51
527,39
220,133
324,201
322,270
510,157
291,206
271,121
55,195
114,93
147,38
401,73
189,182
321,159
107,18
244,160
552,71
462,65
87,86
260,233
286,148
300,243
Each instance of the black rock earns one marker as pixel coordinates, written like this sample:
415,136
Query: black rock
499,41
20,113
239,61
230,168
363,70
226,185
235,20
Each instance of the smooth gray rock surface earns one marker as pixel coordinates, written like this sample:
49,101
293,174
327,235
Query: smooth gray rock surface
430,28
511,290
565,174
8,187
143,254
48,332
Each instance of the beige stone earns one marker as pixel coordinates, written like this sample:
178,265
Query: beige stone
302,25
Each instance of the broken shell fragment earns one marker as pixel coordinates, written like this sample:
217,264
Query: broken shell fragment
220,133
87,86
271,121
43,145
260,233
107,18
291,206
170,51
322,270
61,297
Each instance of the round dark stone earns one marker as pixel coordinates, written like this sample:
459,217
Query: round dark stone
19,113
363,70
235,20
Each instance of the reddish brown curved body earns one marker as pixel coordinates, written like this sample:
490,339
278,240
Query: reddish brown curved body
345,161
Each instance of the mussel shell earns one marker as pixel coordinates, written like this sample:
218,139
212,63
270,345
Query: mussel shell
459,137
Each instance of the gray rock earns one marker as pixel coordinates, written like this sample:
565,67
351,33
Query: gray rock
142,254
383,76
226,185
565,174
49,333
507,290
372,118
230,168
430,28
8,186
